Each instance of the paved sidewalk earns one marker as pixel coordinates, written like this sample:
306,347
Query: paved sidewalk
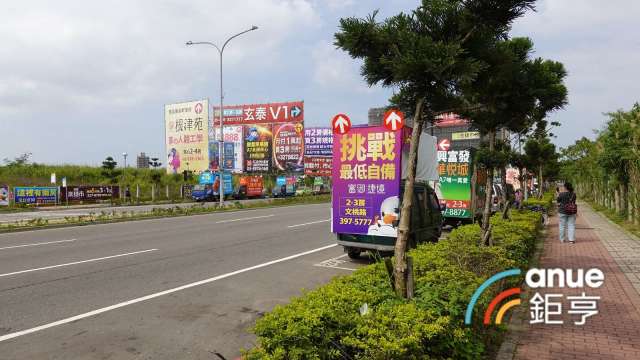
614,333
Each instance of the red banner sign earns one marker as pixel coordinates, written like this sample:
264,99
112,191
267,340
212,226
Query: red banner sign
458,204
282,112
317,166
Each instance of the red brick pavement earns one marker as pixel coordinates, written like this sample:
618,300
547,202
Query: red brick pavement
614,333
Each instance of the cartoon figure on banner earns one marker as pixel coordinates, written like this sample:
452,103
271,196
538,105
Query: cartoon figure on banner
174,160
4,195
386,224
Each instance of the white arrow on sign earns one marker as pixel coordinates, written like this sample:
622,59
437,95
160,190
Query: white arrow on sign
394,119
341,122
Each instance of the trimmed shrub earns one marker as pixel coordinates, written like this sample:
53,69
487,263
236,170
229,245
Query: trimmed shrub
330,323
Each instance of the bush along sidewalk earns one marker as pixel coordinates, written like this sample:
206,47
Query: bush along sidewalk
159,212
359,316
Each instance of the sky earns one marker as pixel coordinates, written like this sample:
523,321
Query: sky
80,80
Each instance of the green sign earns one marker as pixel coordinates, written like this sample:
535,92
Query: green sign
455,170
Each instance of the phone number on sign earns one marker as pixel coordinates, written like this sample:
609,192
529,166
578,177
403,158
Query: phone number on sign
355,221
456,212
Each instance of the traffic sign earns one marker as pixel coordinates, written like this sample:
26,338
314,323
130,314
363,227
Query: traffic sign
444,145
393,119
341,124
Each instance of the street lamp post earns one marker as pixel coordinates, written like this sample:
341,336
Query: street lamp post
221,143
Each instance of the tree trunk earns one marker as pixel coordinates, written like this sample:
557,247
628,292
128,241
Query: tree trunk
400,252
616,199
506,198
486,214
525,183
629,198
540,182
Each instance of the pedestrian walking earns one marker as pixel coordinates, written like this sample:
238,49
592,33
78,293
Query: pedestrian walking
518,199
567,212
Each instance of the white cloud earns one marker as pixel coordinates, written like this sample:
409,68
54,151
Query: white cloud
75,54
334,69
338,4
598,45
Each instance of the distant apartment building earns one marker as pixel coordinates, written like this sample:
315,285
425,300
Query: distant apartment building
143,161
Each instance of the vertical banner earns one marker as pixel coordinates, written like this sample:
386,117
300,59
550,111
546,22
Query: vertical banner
4,195
233,135
288,147
318,141
455,170
187,136
366,181
233,148
257,153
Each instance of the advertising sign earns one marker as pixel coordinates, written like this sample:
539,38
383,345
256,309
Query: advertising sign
455,170
37,195
4,195
255,185
233,151
317,166
206,177
318,141
467,135
89,193
257,151
288,148
187,136
282,112
366,181
450,119
187,191
291,184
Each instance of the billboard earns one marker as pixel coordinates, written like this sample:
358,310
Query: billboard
4,195
258,140
317,166
288,147
89,193
318,141
187,136
282,112
37,195
233,148
455,171
366,181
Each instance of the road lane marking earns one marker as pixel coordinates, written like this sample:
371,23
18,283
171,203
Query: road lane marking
76,262
155,295
36,244
309,223
334,262
242,219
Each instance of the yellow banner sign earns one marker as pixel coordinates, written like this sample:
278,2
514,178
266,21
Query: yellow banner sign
187,136
467,135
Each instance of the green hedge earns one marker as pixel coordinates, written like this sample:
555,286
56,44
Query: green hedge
547,200
327,323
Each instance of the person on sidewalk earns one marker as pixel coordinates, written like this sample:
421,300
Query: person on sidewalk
567,210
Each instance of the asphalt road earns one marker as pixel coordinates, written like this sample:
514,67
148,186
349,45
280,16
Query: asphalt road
61,212
172,288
